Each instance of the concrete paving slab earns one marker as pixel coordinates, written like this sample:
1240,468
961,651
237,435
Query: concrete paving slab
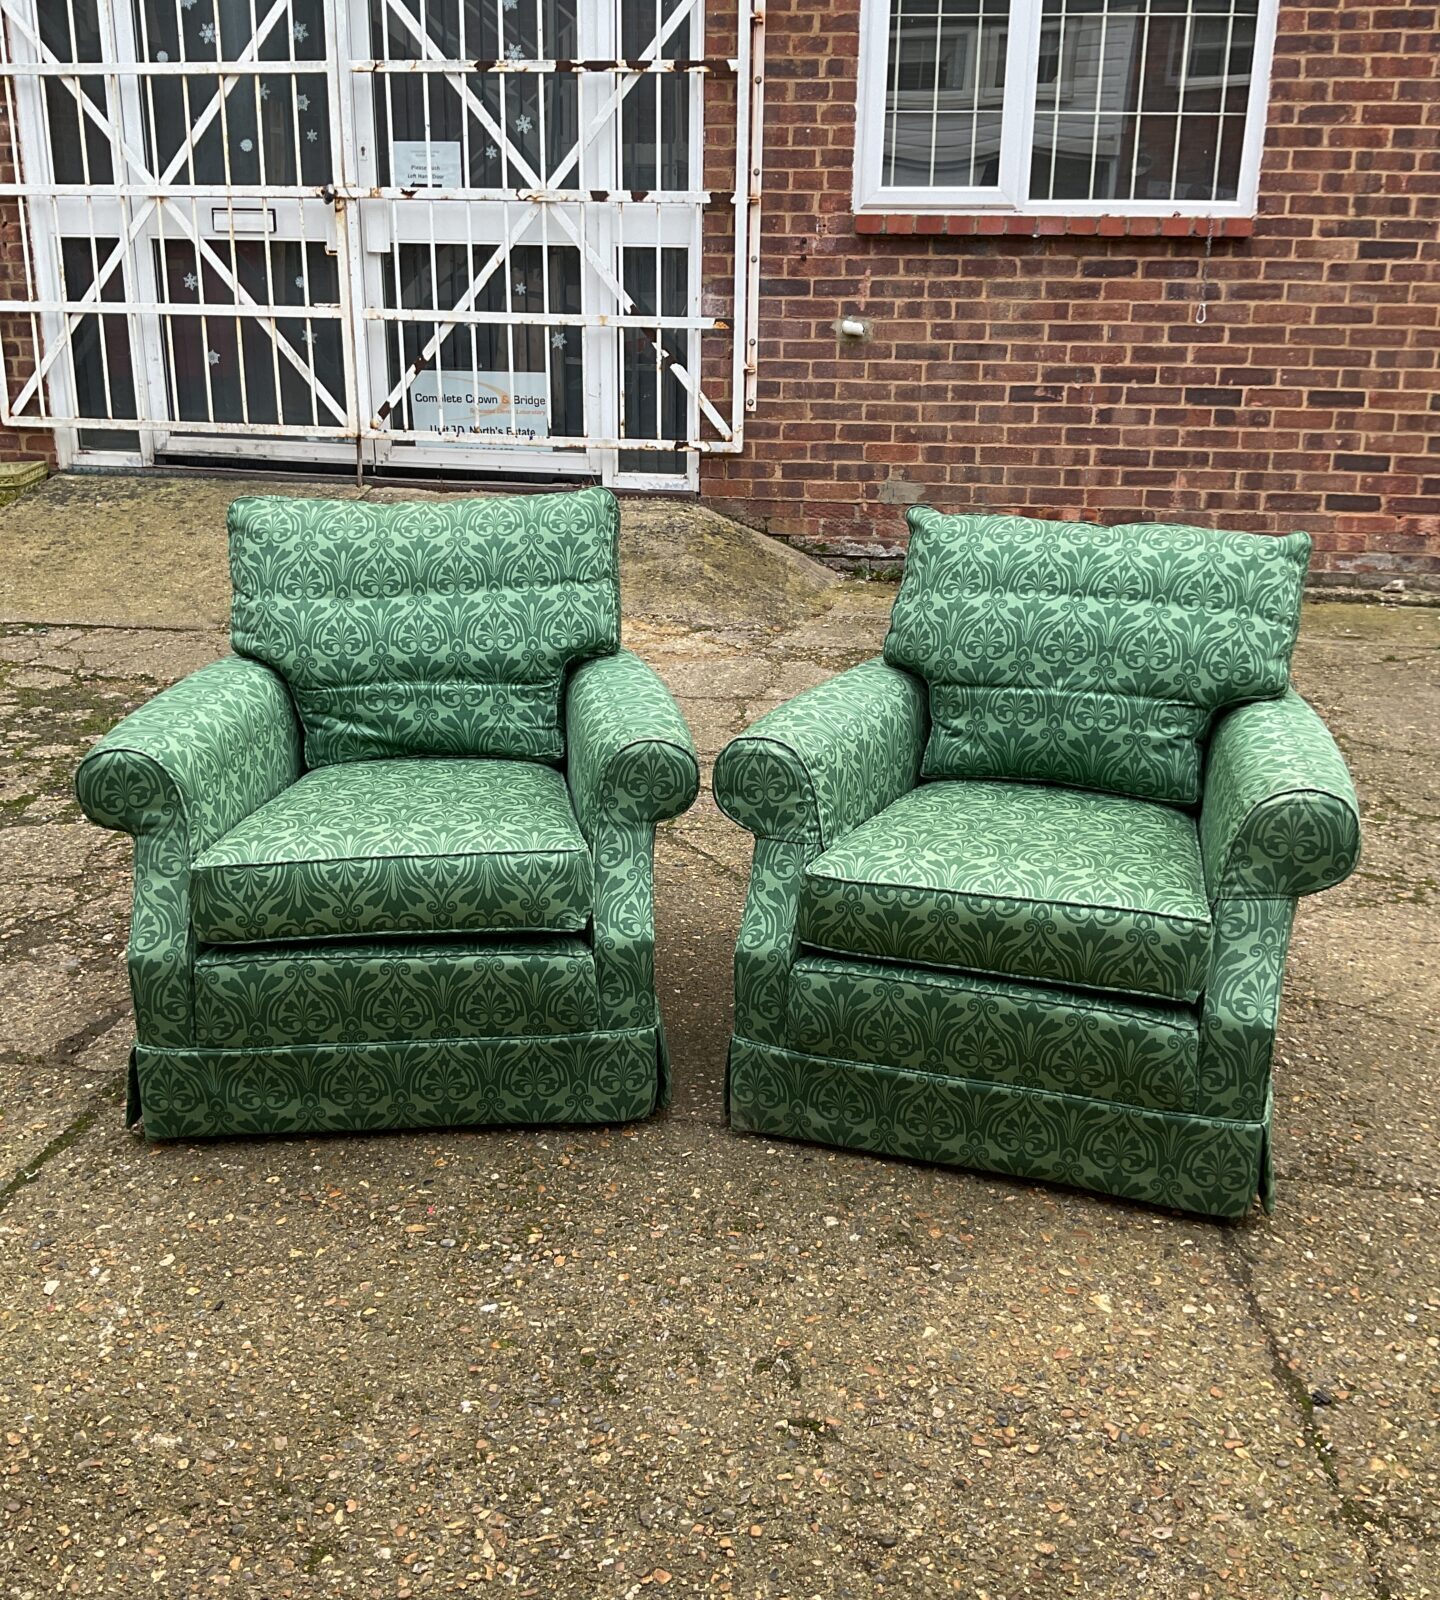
142,551
713,722
1357,1093
571,1363
697,917
1349,1279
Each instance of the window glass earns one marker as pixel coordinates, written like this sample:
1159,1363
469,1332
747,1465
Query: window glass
945,91
1144,99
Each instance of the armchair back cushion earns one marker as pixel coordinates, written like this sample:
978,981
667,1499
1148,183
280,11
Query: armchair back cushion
1093,657
427,628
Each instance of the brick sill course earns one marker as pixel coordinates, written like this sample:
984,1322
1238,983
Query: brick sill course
990,226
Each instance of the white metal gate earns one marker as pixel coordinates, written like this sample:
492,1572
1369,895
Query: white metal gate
434,233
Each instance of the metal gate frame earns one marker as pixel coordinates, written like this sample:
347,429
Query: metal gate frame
139,203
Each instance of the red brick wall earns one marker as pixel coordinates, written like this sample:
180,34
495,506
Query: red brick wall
1067,376
15,331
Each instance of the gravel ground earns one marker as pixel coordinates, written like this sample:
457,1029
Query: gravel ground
666,1357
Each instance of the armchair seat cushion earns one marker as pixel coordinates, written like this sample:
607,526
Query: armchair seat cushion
1048,885
380,848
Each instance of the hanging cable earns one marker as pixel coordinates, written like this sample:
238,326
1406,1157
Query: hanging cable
1202,309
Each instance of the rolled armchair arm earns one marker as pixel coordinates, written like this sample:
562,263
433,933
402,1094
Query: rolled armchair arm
629,754
1278,816
827,760
630,763
177,773
204,753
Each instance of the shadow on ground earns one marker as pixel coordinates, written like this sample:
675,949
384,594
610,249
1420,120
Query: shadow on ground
666,1357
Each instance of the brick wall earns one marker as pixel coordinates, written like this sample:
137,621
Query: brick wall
1066,375
16,339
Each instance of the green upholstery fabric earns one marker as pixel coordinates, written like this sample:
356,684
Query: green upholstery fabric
570,1078
446,932
821,764
441,628
631,764
1041,978
1280,815
1094,657
377,848
1044,884
957,1025
799,779
177,774
1203,1164
1241,1007
249,997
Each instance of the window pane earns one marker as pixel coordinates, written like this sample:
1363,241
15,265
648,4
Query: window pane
1142,99
77,136
944,91
476,129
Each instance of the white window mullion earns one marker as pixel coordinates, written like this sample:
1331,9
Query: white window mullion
1021,72
1257,105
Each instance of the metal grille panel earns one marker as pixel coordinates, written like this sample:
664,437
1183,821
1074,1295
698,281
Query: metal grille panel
439,232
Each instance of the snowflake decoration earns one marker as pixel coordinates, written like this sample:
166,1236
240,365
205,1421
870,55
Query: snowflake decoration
308,336
513,52
213,357
300,281
162,55
264,91
491,152
303,101
510,4
557,339
300,32
520,286
247,145
311,135
207,33
192,283
188,4
523,124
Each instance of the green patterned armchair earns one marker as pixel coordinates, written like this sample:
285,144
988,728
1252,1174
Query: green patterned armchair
1022,889
393,856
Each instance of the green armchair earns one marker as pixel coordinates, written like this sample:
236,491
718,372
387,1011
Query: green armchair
1022,890
393,858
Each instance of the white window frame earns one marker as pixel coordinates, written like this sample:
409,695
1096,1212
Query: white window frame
1010,195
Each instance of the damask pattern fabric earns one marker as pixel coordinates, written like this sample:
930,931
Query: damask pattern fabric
379,848
630,757
836,754
1280,815
249,998
1203,1164
177,773
1087,656
1241,1006
630,763
574,1078
439,628
203,753
401,941
766,947
956,1025
1044,884
937,988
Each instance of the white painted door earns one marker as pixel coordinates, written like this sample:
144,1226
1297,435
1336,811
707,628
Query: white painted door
440,234
514,217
